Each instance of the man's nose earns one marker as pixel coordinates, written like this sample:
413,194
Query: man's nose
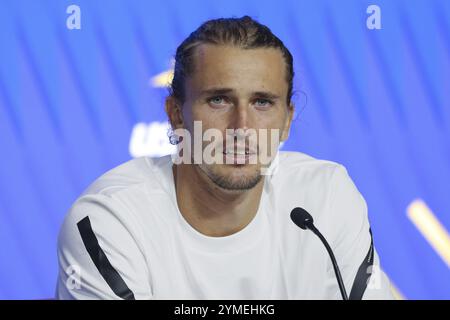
241,117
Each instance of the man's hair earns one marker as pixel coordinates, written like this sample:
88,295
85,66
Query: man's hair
242,32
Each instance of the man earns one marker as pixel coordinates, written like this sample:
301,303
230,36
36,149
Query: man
161,228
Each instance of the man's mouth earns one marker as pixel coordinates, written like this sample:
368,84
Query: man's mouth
239,156
243,152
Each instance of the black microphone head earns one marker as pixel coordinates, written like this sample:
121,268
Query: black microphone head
301,218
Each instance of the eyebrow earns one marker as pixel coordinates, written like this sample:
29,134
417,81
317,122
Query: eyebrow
266,95
215,91
223,91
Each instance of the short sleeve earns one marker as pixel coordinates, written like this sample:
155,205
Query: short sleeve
99,254
353,245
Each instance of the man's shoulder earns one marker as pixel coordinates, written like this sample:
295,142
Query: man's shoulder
304,179
129,175
118,196
294,163
121,192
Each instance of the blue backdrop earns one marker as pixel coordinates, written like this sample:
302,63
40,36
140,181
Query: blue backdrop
74,103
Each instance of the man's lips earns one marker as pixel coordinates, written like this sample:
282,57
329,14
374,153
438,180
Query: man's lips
239,152
240,157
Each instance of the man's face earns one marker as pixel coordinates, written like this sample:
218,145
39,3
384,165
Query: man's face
235,88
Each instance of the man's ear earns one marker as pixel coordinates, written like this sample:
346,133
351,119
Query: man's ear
288,122
173,111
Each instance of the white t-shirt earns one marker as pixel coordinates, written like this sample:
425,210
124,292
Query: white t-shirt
126,238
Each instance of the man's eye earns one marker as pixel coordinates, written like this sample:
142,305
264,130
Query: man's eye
263,103
217,100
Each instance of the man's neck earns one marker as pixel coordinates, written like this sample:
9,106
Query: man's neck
211,210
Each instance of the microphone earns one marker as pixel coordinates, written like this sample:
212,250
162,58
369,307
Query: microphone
304,220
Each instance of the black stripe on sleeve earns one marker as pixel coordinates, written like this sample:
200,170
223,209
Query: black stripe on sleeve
363,274
98,256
